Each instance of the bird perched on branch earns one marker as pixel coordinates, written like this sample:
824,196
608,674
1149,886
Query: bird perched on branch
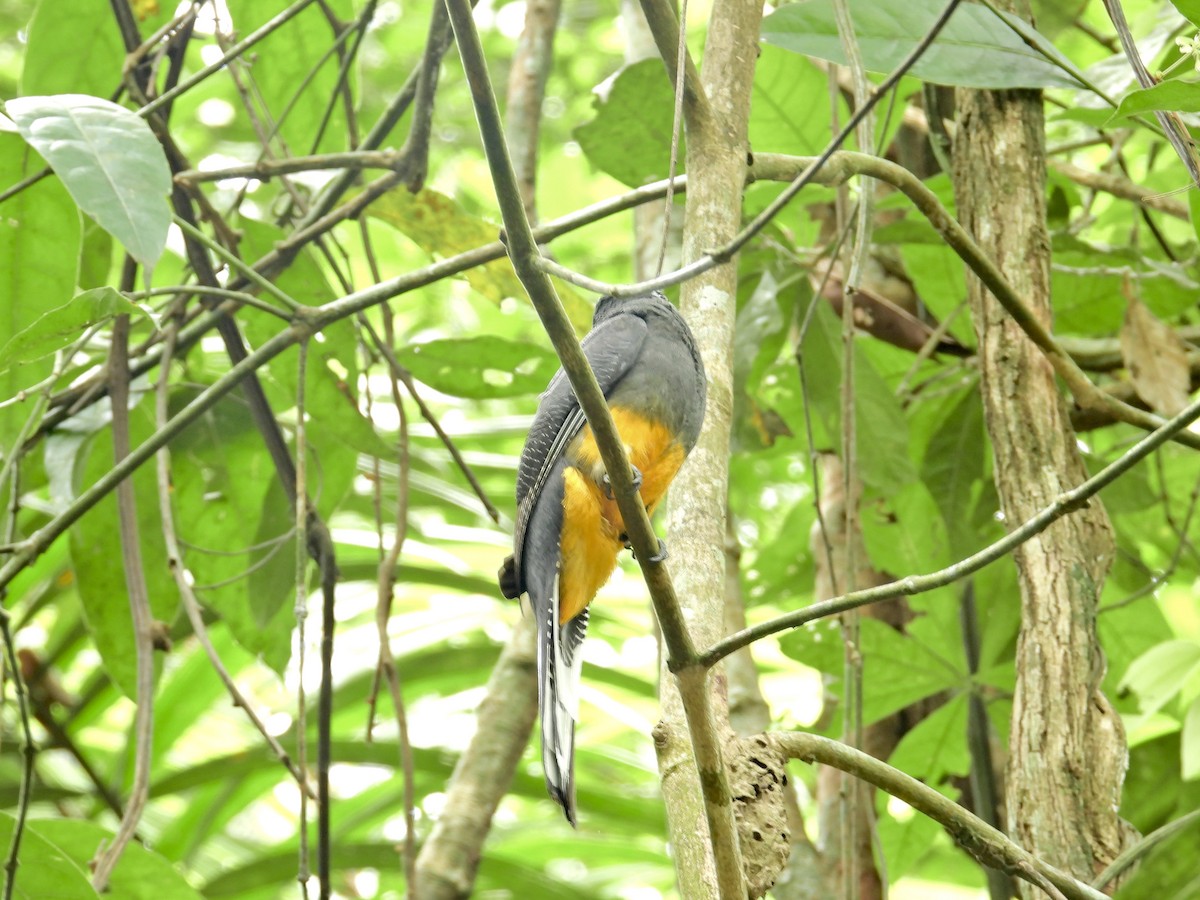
569,531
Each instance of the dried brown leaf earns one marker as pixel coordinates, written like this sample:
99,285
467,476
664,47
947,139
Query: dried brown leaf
1156,359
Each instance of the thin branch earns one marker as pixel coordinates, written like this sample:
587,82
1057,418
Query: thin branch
139,603
1067,502
28,750
300,583
266,169
666,30
236,264
1122,188
984,843
1144,846
1171,122
235,52
180,574
725,253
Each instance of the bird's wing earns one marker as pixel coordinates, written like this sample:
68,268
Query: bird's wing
610,349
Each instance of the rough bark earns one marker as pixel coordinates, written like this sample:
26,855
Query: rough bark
531,65
1067,746
717,156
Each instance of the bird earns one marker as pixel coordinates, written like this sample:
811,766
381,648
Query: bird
569,532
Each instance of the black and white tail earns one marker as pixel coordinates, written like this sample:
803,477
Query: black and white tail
559,666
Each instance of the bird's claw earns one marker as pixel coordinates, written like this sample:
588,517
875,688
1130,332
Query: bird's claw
634,473
656,558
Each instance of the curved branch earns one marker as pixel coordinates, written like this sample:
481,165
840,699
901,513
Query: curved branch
986,844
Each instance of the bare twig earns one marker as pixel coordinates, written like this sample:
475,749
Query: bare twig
139,603
266,169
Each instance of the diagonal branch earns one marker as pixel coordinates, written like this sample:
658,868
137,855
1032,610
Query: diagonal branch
1065,503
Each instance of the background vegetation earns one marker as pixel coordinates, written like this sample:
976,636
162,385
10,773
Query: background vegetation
417,393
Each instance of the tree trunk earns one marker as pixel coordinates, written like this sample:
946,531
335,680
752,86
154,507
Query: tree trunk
717,151
1067,747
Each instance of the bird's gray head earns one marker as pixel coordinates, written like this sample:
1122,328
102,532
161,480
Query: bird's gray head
645,305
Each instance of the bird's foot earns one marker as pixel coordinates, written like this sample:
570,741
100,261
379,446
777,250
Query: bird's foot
634,472
656,558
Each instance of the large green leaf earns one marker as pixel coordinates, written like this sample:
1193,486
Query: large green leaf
953,464
897,671
882,432
480,367
61,326
630,136
1158,674
39,241
904,534
46,870
108,159
139,875
94,64
977,48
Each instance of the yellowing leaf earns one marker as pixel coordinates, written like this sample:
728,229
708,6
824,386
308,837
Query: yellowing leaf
438,225
1156,359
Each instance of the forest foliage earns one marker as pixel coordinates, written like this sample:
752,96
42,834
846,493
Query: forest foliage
412,360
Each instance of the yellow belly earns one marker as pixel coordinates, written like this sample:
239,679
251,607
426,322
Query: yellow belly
592,526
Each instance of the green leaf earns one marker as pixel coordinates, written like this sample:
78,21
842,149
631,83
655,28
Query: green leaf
953,464
1189,748
1169,96
39,240
301,76
437,224
480,368
896,670
976,48
108,159
783,117
630,136
882,430
936,748
94,64
139,874
227,515
1189,9
905,839
1158,674
904,534
46,871
61,326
